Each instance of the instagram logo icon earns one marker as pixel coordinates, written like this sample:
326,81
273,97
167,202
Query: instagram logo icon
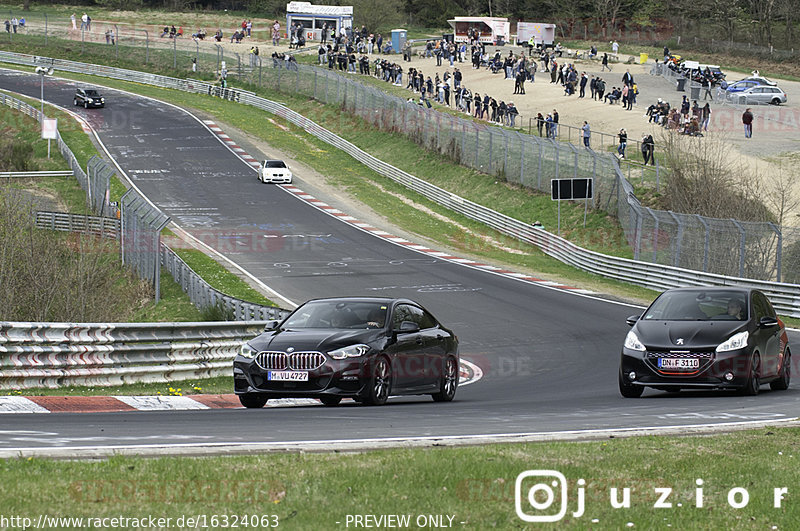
537,491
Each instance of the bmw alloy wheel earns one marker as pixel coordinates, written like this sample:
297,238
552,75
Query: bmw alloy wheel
448,382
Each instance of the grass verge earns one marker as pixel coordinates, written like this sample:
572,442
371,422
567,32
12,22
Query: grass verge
475,486
220,278
196,386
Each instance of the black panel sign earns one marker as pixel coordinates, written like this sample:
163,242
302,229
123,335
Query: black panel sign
567,189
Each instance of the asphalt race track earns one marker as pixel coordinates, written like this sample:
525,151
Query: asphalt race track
549,357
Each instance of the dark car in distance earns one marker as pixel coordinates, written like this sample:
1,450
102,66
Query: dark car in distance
358,347
705,338
88,98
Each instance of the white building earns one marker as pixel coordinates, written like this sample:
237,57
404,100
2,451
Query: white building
314,17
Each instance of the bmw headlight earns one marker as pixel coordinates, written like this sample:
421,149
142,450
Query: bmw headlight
353,351
735,342
632,342
246,351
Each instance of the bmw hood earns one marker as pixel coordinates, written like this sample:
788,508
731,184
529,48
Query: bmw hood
685,334
313,339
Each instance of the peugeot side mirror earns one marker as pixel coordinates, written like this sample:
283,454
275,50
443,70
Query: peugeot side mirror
632,320
767,322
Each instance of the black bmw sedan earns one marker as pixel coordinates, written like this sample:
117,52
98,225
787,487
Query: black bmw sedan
363,348
705,338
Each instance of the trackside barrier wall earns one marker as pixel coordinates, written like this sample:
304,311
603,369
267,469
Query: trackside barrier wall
203,295
87,354
645,234
64,221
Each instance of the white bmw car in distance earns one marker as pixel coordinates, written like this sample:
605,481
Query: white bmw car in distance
274,171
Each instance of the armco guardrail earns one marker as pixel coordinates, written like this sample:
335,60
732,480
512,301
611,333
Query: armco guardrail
203,295
58,354
34,174
786,297
64,221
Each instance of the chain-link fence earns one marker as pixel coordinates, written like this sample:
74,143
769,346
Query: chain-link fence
140,237
528,160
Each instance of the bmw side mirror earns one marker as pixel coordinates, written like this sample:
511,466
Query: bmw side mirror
407,327
271,325
632,320
767,322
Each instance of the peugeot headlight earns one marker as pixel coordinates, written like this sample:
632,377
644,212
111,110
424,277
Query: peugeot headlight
353,351
735,342
246,351
632,342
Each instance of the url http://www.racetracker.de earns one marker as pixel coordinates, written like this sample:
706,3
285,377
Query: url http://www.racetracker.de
198,521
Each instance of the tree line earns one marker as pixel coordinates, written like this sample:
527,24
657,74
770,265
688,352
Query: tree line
760,22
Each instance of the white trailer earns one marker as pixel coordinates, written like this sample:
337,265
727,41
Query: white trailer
492,30
543,34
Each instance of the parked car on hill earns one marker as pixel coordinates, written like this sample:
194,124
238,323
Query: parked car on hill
762,94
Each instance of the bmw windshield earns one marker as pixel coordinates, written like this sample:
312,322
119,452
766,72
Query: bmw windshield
338,314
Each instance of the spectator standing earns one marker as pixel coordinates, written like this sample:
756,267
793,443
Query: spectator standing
84,21
550,126
512,113
627,78
587,133
276,33
648,149
555,123
747,120
706,116
605,63
74,21
584,80
14,23
623,143
539,123
615,47
8,26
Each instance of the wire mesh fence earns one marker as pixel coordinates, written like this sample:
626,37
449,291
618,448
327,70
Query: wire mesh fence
657,236
140,237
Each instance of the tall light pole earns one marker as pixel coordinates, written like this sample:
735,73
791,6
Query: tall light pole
43,71
48,126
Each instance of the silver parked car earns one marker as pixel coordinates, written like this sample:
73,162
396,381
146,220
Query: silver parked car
762,94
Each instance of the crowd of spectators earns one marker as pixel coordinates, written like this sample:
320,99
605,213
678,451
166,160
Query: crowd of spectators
688,119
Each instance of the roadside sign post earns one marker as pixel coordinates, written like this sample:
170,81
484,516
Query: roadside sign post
49,131
571,189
